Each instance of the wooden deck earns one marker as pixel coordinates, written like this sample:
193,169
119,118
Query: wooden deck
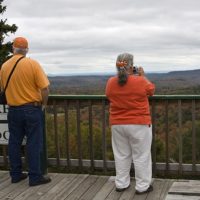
92,187
77,186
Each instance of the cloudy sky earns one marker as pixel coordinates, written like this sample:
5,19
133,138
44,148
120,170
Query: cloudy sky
85,36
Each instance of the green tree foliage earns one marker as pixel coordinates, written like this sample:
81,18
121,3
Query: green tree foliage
59,124
5,29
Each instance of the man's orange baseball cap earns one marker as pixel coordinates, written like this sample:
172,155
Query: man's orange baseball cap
20,42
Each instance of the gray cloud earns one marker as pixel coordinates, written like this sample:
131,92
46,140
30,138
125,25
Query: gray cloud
86,36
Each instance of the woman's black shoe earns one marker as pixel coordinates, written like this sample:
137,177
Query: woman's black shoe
121,189
149,189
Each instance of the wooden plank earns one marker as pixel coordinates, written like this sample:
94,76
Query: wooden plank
4,175
5,183
91,143
105,190
140,197
13,190
190,187
158,186
79,135
36,191
181,197
82,188
143,196
23,192
43,189
60,187
113,195
180,137
104,145
168,184
95,188
129,193
64,194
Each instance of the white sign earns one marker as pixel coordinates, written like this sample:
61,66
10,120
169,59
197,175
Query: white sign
4,133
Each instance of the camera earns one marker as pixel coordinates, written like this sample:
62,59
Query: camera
135,70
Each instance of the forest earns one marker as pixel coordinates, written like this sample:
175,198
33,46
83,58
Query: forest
174,82
166,124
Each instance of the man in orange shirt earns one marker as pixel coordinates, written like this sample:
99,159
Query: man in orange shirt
27,94
130,122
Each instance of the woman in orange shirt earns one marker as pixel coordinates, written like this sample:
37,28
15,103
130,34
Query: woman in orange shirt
130,122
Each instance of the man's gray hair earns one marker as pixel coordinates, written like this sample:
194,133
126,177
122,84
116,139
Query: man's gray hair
20,51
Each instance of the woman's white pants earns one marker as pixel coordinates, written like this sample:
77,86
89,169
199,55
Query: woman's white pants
132,143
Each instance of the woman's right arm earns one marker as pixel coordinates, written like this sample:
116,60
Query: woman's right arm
149,86
107,91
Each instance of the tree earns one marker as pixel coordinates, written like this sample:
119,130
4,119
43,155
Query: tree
5,29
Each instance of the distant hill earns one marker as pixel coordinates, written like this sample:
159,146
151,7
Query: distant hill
177,82
78,84
174,82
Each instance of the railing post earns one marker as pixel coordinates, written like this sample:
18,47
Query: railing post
194,160
153,137
167,136
56,134
91,136
180,139
66,110
104,137
43,156
79,138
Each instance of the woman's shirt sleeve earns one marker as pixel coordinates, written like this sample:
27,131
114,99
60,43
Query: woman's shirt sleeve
150,88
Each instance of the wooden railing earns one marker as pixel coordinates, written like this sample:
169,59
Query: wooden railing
78,133
176,139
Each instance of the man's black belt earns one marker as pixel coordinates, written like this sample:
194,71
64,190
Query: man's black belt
35,103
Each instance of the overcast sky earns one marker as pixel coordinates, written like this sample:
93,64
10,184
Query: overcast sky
85,36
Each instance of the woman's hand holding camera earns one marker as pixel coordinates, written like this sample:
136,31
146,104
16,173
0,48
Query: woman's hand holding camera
140,71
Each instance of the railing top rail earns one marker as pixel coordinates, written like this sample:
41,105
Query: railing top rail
73,97
103,97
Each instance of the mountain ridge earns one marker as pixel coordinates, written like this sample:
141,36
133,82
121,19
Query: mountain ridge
172,82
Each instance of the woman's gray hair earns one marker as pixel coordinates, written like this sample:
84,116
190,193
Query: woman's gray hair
122,71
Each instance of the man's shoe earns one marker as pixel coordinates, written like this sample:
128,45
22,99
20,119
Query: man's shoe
23,176
121,189
42,180
149,189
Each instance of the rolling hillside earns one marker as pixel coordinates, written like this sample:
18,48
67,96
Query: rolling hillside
175,82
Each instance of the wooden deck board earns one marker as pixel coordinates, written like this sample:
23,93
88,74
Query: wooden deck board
92,191
51,189
184,189
181,197
129,193
36,191
82,188
166,188
72,187
59,187
89,187
105,190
